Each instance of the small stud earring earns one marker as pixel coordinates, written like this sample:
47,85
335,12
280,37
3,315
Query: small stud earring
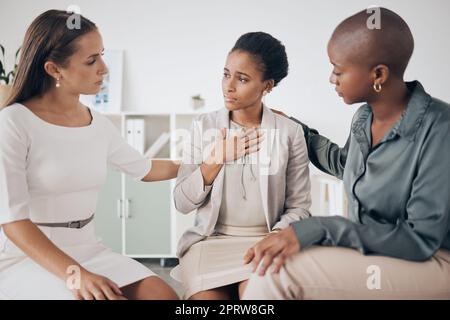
57,83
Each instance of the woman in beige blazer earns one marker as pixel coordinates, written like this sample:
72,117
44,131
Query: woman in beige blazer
238,202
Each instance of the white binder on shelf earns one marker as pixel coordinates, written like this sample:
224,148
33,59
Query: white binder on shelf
135,134
130,132
139,135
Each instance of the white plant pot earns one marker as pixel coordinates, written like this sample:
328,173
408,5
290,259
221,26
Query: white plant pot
197,103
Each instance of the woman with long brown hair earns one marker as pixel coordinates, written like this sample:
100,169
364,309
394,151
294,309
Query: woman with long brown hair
54,153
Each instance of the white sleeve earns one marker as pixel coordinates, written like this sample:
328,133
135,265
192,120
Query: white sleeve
14,195
123,157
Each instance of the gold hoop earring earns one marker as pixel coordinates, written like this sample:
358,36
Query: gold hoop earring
58,84
377,87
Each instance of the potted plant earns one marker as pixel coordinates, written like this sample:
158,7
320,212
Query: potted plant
197,102
6,78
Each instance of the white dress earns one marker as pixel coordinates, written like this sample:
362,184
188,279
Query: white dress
50,174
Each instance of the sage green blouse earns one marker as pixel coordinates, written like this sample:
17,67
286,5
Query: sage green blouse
398,191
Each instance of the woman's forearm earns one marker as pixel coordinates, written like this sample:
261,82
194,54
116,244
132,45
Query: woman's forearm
209,172
162,170
34,243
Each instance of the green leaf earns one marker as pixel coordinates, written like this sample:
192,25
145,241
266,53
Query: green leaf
17,52
4,79
2,70
10,76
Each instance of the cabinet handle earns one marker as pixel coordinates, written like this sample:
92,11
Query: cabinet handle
127,208
119,208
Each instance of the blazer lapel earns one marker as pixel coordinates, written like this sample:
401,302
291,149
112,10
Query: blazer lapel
264,158
222,121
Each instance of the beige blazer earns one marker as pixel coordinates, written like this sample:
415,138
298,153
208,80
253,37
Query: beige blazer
283,167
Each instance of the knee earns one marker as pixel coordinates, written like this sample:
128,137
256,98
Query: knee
166,292
272,286
152,288
202,295
169,294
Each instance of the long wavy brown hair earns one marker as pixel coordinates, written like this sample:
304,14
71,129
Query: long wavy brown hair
48,38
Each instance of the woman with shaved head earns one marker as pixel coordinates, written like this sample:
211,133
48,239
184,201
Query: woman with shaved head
395,166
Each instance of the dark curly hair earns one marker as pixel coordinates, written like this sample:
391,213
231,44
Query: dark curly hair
270,54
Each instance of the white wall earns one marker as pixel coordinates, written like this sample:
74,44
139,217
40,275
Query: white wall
175,49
